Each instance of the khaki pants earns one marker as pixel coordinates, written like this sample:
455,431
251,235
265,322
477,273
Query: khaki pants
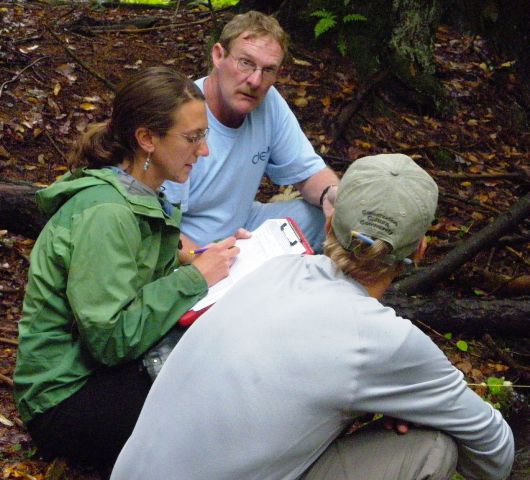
377,454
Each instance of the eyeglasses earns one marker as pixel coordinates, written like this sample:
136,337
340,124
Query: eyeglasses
248,67
193,139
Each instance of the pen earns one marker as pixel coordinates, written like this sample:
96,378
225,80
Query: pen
198,251
369,241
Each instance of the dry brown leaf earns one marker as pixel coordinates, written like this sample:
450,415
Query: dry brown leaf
88,107
67,70
301,102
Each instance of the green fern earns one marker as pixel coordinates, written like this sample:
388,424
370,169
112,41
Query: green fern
327,21
323,25
354,17
322,13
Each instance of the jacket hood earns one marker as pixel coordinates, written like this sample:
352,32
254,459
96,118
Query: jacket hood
51,198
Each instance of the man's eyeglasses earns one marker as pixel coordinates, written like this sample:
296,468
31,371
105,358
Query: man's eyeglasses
248,67
193,139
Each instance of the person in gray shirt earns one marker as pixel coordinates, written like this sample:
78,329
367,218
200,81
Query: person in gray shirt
267,383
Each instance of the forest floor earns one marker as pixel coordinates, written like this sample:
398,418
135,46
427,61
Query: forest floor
50,61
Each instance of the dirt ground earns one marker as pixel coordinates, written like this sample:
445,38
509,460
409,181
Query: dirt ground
57,68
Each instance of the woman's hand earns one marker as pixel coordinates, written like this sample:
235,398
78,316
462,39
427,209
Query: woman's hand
214,263
242,234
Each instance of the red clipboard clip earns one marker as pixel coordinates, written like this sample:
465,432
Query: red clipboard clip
300,236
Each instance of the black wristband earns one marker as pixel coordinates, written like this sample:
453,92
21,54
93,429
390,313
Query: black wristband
323,194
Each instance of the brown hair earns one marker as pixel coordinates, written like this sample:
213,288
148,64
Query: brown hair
365,263
257,24
147,99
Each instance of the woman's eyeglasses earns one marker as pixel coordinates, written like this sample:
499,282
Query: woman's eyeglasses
193,139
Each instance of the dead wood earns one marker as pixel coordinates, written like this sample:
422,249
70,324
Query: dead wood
466,250
19,214
476,316
18,211
86,24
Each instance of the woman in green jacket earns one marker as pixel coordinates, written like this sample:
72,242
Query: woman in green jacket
105,283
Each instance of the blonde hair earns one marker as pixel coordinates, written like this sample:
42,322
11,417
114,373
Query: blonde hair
365,263
147,99
257,24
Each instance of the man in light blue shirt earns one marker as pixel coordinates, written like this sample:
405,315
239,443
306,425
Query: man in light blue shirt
253,133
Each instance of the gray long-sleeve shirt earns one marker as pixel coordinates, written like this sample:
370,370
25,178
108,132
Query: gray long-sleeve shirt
262,383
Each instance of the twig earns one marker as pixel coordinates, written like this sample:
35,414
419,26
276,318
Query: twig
213,17
109,85
479,176
175,13
470,202
52,141
5,379
27,39
517,255
10,341
505,357
169,26
347,113
17,76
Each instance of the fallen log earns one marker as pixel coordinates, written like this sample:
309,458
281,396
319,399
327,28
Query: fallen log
18,211
19,214
467,249
475,316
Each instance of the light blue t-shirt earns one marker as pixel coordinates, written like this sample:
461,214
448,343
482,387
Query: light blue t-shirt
217,198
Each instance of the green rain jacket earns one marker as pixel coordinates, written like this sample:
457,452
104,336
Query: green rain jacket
104,285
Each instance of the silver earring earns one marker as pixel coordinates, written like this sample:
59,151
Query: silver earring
147,162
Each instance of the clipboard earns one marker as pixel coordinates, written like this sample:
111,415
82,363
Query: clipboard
275,237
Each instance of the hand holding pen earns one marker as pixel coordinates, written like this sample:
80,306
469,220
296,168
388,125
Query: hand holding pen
214,260
240,234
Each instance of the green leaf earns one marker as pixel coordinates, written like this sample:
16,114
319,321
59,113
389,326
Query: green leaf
448,335
354,17
218,4
341,45
494,384
461,345
323,25
147,2
479,293
322,14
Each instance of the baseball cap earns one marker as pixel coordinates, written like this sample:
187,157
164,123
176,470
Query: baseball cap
387,197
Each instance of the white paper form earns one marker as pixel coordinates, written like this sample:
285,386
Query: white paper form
272,238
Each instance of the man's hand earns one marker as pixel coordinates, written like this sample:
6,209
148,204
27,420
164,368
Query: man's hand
391,423
214,263
328,202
